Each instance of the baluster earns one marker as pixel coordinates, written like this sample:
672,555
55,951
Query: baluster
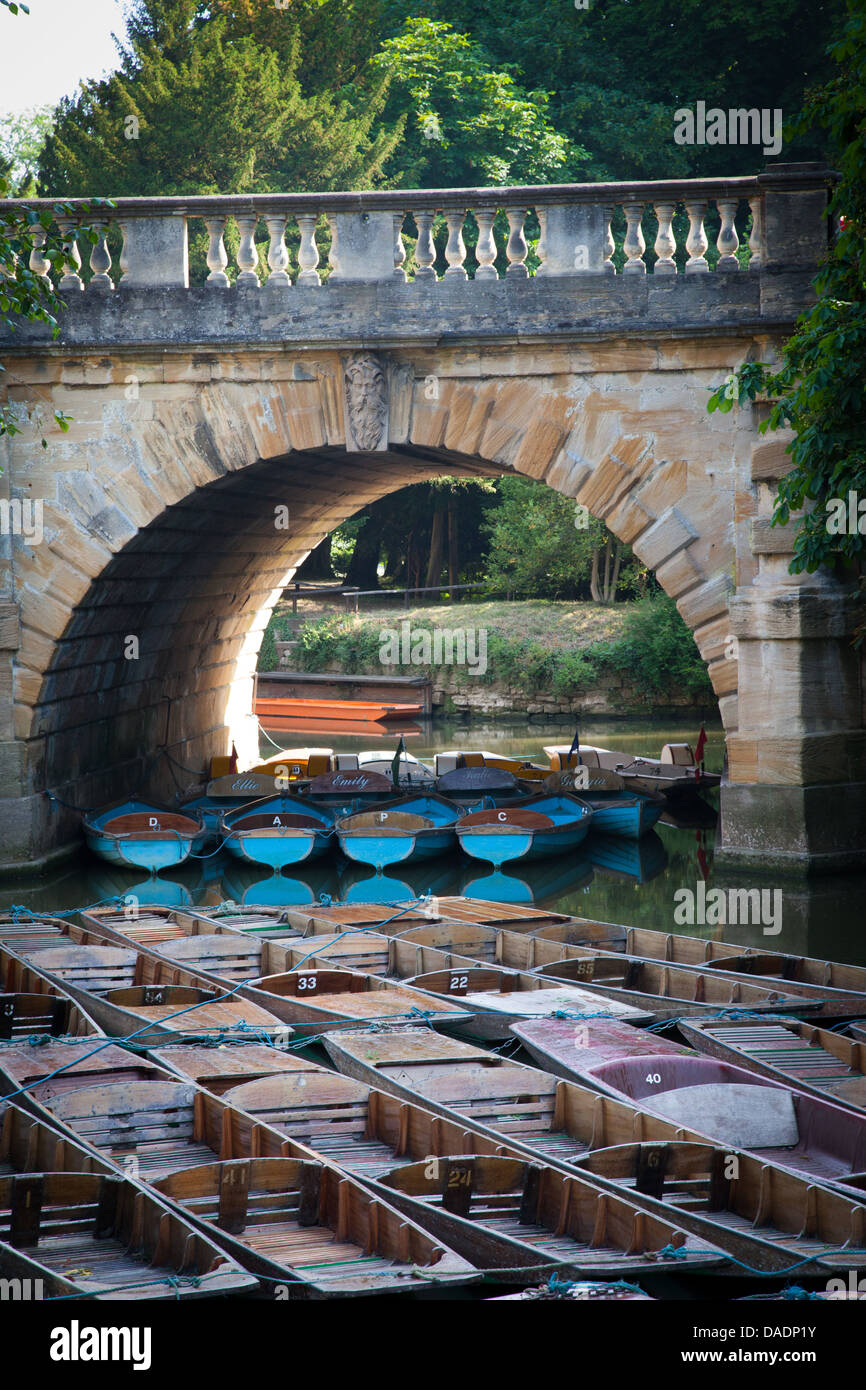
100,261
455,250
217,257
308,251
70,280
634,244
756,236
278,255
425,249
665,243
248,254
728,240
399,248
485,251
516,249
608,266
541,249
124,250
39,264
696,241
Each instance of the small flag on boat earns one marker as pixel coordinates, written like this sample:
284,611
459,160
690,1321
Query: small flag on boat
395,764
702,743
575,747
233,760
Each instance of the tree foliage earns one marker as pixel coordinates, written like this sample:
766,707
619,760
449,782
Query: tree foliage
542,546
197,107
468,123
819,390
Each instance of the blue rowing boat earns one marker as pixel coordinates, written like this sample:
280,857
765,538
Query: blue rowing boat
628,815
539,826
143,834
278,831
403,829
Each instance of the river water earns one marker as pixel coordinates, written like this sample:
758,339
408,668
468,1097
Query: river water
611,881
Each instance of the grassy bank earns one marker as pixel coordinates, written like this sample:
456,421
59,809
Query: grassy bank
534,648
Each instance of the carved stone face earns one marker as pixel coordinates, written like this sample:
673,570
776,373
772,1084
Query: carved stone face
366,402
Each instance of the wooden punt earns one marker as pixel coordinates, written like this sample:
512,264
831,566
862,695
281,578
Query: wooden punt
730,1105
672,991
526,1215
498,998
27,931
126,991
331,997
284,707
372,1135
266,947
830,979
29,1144
609,984
857,1031
311,1226
796,1054
560,1122
94,1236
159,1129
563,1048
736,1200
219,1069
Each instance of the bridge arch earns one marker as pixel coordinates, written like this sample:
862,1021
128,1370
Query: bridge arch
183,506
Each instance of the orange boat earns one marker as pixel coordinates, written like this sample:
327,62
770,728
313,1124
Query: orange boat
328,711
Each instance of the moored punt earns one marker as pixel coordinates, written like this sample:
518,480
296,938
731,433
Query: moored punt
219,1069
732,1106
29,931
521,1216
788,1051
738,1202
319,998
561,1122
498,998
675,774
562,1047
406,828
672,991
47,1013
95,1236
127,991
313,1227
278,831
550,825
143,834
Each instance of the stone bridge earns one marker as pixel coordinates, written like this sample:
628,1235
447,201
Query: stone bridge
221,430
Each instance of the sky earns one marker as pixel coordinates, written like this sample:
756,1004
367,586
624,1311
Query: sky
48,52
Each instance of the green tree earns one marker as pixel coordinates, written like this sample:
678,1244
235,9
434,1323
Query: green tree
22,138
541,545
468,123
819,390
196,108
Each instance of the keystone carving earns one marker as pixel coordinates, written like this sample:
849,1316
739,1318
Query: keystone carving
365,396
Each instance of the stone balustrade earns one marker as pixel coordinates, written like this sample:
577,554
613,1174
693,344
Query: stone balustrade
561,230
